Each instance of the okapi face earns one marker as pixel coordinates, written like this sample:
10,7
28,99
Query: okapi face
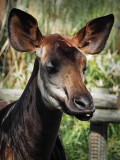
61,77
62,65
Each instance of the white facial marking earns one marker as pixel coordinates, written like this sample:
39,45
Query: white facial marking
50,92
38,52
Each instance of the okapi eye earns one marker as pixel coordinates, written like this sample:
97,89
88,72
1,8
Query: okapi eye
51,68
84,70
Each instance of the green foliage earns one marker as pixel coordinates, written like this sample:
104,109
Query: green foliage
104,71
74,135
114,148
65,17
75,138
114,141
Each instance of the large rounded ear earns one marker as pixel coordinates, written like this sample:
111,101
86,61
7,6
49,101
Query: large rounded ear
23,31
92,38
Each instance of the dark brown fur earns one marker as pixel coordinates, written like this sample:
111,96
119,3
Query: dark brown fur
29,127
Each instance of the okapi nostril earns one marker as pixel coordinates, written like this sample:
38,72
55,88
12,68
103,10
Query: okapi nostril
79,103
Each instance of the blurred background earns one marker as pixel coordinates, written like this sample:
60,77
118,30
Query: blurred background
67,17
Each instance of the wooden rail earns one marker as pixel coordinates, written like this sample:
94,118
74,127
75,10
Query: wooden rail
107,110
101,100
10,94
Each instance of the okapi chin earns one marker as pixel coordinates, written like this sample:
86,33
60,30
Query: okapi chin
29,126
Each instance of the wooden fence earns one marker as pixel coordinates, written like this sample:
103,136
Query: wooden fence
107,110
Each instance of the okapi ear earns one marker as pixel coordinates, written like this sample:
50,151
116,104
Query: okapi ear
92,38
23,31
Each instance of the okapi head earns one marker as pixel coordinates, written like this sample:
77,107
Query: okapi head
62,65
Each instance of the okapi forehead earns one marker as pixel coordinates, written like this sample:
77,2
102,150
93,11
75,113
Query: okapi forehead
57,39
60,47
65,52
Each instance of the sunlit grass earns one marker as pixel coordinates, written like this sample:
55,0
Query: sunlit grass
105,71
66,17
75,137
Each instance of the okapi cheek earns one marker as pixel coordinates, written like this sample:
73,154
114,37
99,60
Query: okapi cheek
50,93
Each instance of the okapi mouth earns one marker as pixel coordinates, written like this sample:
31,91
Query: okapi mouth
83,115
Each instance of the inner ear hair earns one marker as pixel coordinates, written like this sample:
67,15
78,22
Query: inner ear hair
23,31
92,38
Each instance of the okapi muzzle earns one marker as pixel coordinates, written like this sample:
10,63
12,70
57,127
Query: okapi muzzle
62,64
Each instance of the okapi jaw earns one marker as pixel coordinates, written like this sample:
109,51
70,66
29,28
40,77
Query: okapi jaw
61,62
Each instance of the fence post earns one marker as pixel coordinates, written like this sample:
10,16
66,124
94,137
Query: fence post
98,149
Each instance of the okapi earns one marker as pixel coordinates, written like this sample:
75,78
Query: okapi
29,126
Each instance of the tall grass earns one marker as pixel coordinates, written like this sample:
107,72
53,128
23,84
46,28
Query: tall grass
75,137
53,16
105,71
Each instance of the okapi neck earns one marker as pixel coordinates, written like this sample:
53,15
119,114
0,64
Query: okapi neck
30,125
41,123
50,120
